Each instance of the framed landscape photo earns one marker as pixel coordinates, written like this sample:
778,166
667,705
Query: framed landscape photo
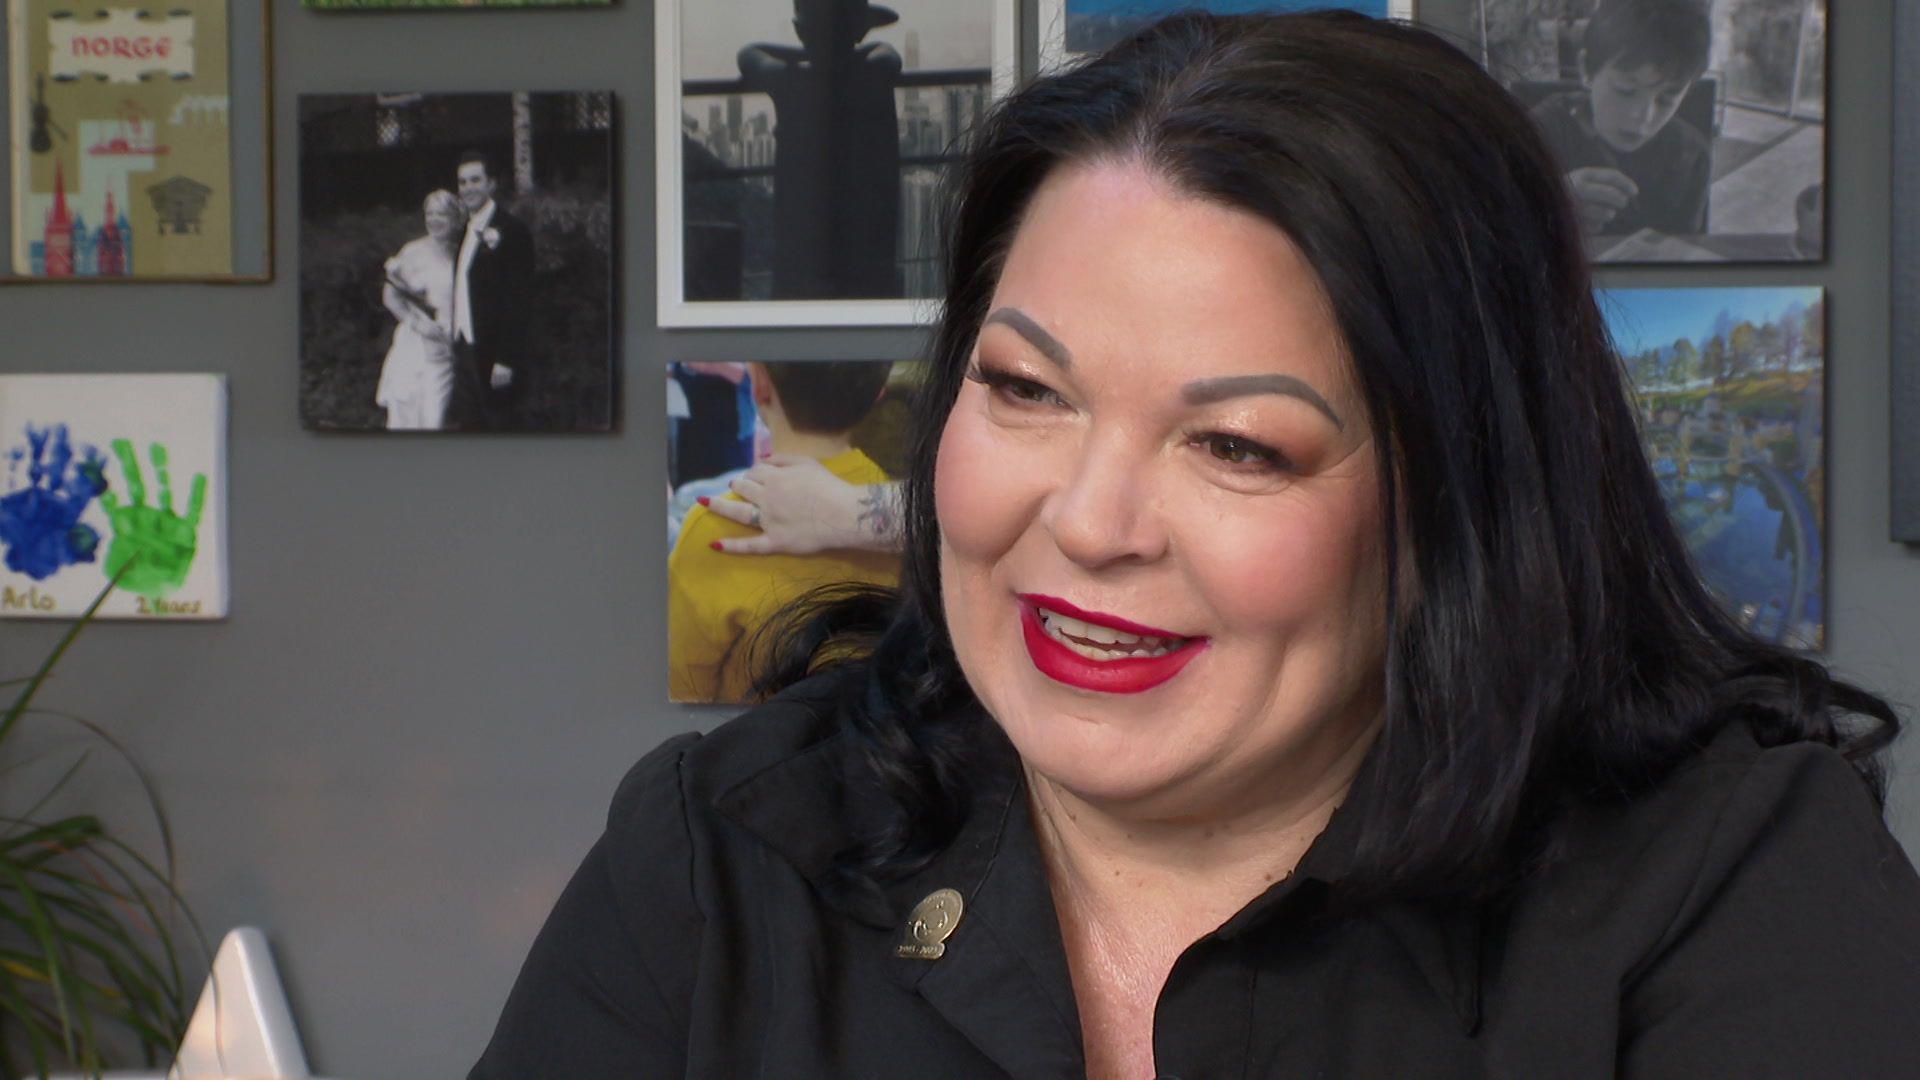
1690,130
456,262
801,148
139,141
1070,29
1731,385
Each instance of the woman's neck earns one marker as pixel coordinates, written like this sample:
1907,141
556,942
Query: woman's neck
1113,864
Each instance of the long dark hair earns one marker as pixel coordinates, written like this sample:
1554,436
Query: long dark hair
1562,646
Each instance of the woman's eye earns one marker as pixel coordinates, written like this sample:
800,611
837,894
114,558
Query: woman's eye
1243,453
1029,391
1023,391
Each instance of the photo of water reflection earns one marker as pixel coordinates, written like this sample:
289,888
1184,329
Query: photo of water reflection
1730,387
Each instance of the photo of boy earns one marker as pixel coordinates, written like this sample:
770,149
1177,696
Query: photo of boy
1631,162
1688,130
716,600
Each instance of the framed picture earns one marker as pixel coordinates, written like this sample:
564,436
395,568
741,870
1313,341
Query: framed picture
420,5
1906,274
801,145
456,261
140,143
1731,385
850,417
1690,130
1070,29
114,478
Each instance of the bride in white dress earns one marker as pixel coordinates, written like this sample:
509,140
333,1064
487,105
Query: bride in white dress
417,377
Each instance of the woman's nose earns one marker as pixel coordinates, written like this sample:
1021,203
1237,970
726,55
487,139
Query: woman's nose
1105,511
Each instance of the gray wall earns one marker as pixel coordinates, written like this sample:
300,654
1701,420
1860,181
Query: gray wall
444,652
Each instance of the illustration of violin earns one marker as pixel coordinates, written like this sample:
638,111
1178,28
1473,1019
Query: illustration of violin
41,139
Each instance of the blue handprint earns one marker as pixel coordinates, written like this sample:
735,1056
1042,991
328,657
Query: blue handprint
40,524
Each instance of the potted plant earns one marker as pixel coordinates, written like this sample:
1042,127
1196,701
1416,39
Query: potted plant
89,967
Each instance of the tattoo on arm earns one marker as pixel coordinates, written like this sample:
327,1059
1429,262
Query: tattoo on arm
880,512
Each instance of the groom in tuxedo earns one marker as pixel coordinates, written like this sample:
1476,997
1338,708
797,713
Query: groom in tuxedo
492,298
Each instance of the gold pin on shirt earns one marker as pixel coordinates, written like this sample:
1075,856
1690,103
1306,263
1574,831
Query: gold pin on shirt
930,925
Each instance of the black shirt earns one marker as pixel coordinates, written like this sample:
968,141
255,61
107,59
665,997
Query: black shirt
1750,916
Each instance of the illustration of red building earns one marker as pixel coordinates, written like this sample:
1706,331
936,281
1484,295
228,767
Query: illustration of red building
59,233
113,251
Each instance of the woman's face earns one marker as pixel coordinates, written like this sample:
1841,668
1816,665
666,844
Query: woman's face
1159,436
441,220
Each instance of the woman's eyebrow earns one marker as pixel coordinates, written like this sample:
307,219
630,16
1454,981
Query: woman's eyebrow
1208,391
1198,392
1023,324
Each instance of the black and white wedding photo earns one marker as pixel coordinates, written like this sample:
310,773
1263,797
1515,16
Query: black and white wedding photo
1688,130
802,148
456,261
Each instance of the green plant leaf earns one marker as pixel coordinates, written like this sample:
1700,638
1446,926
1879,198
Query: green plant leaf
33,682
90,922
151,793
39,925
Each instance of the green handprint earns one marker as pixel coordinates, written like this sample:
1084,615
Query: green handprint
159,543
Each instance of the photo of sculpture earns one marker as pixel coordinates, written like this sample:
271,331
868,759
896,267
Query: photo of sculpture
814,136
456,262
1731,384
1689,130
848,418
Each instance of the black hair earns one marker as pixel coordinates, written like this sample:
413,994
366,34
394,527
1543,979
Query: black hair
1674,37
827,397
1561,646
478,157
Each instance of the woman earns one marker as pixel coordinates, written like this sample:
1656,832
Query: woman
416,378
1294,670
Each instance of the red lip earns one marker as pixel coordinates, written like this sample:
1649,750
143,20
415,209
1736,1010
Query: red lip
1062,664
1054,603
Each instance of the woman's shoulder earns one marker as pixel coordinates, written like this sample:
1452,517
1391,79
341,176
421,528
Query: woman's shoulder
1741,841
1731,794
423,251
695,775
1726,802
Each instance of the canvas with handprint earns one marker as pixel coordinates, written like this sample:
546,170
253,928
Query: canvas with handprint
113,478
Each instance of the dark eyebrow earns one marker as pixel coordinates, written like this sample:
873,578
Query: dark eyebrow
1199,392
1024,325
1208,391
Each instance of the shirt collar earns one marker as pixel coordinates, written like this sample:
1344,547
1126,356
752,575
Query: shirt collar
482,217
1008,938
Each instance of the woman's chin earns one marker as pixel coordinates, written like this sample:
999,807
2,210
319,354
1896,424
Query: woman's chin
1096,761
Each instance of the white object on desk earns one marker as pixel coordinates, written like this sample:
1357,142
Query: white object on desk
241,1025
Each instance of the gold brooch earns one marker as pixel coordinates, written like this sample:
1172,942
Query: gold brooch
930,925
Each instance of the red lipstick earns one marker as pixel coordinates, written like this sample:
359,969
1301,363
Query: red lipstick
1128,676
1054,603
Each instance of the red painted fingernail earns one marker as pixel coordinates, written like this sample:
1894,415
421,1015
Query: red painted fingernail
704,500
716,546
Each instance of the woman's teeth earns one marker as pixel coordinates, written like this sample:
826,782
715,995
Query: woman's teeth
1096,642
